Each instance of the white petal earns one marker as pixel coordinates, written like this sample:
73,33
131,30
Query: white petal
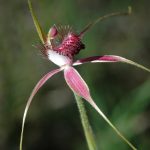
58,59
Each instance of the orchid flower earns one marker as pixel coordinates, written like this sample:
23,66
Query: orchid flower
60,46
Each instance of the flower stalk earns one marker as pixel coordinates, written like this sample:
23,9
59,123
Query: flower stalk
85,123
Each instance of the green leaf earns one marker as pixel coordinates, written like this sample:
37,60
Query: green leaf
36,23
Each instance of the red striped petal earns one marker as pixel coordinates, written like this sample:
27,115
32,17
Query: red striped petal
93,59
76,83
109,59
78,86
35,90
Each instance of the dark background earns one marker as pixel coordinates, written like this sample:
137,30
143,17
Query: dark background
120,90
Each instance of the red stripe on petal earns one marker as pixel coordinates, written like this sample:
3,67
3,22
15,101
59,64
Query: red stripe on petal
76,83
110,58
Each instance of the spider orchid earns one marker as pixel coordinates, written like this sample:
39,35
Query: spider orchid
59,46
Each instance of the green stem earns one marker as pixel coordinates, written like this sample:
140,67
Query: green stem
86,125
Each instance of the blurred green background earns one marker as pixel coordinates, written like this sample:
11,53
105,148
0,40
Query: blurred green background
120,90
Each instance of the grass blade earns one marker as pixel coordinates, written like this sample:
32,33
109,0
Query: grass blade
36,23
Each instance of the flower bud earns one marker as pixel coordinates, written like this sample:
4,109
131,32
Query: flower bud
52,32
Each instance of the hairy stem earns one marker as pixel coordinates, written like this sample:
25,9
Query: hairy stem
85,123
